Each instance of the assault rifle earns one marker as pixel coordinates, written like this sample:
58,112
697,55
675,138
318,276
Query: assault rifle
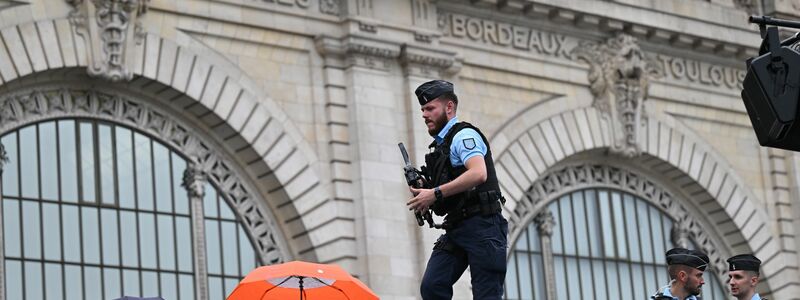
415,179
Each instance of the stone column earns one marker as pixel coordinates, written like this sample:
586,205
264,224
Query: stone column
544,225
194,181
3,161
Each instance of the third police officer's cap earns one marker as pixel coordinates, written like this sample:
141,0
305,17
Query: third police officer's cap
745,262
691,258
431,90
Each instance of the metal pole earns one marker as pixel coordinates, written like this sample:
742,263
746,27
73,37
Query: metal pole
767,20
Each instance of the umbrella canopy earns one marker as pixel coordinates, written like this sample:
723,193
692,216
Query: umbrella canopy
301,280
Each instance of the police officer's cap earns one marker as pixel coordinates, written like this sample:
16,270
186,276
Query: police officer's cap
431,90
745,262
691,258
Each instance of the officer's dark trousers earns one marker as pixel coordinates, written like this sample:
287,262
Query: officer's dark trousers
484,241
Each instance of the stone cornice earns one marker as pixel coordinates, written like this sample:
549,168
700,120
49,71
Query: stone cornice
653,26
376,54
429,62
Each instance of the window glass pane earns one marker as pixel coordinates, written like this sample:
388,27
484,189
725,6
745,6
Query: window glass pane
33,280
73,282
32,244
525,275
166,243
658,237
130,244
179,193
634,248
522,242
538,274
107,177
52,231
212,247
29,168
11,228
215,288
646,241
613,281
511,287
599,278
246,253
10,177
230,284
567,225
68,160
49,159
561,281
71,225
124,139
230,250
110,236
111,283
650,282
625,281
594,229
184,240
225,210
52,274
162,178
579,215
210,202
619,226
87,162
186,287
130,283
91,236
533,239
93,283
13,279
169,286
573,279
150,284
555,241
585,272
147,240
144,171
638,277
607,220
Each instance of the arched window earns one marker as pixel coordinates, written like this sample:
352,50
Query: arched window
605,244
95,210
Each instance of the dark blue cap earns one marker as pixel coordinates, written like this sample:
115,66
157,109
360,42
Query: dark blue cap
745,262
431,90
691,258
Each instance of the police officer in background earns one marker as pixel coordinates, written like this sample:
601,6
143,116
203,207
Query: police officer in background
685,269
743,276
464,188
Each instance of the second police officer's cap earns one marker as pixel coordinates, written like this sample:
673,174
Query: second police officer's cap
691,258
744,262
431,90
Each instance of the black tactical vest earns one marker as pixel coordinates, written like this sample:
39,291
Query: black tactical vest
441,171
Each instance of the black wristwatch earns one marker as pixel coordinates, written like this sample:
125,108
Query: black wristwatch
437,192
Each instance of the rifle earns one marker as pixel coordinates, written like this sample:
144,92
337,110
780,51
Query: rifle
415,179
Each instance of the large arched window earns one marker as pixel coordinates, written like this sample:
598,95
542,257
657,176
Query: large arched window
605,244
95,210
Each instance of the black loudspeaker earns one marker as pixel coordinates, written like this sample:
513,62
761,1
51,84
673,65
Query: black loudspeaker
772,90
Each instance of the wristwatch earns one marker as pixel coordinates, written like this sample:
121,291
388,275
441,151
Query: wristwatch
437,192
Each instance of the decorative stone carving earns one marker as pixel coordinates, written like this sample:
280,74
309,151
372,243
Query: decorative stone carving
3,158
330,7
194,179
553,184
679,236
619,76
545,222
20,109
109,28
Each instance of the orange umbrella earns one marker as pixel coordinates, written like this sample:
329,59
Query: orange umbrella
301,280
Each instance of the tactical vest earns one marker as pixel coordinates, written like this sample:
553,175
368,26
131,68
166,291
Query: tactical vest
440,171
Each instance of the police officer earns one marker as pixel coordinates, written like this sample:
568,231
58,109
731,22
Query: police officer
685,269
464,188
743,276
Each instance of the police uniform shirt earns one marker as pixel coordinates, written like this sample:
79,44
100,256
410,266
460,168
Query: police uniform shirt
466,143
756,297
666,292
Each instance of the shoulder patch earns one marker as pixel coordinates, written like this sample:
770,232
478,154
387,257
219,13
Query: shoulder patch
469,143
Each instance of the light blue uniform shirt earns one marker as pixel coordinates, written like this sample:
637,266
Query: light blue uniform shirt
466,143
665,290
756,297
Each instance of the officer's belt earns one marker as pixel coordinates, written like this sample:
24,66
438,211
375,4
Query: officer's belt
484,203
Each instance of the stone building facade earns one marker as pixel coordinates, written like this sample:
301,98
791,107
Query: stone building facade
271,128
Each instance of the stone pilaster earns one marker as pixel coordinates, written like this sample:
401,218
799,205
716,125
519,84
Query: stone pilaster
545,221
194,181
